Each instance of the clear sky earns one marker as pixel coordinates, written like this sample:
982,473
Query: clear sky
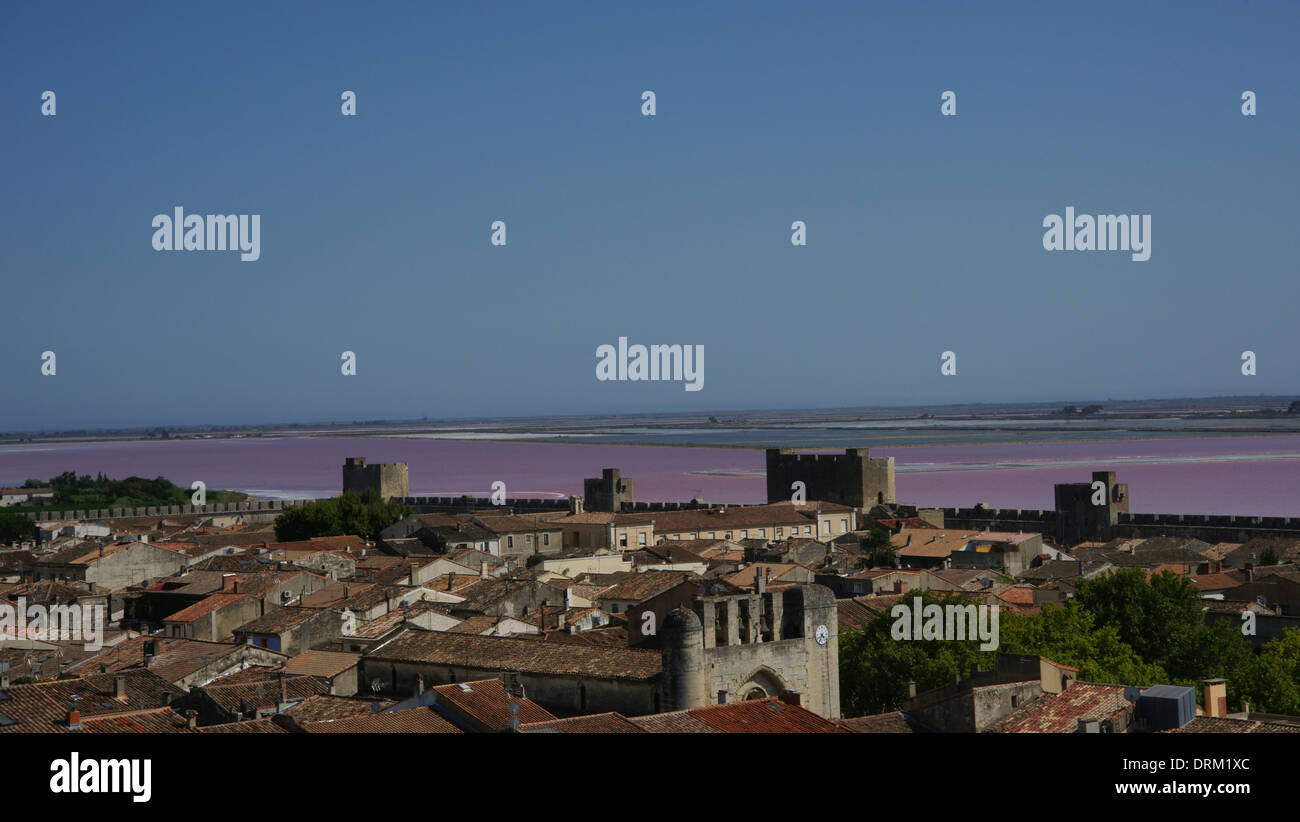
924,232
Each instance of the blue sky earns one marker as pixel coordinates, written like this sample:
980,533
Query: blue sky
924,231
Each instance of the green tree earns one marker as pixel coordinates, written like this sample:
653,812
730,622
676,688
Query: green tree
16,527
1153,618
875,668
1072,636
877,550
1273,685
1268,556
364,514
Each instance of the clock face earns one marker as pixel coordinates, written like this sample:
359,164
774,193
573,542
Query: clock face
822,634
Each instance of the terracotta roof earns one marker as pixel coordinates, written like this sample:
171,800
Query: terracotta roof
487,701
174,658
321,663
769,715
1229,725
606,723
205,606
493,653
263,694
1060,713
42,707
266,725
894,722
406,721
645,585
279,620
321,707
1215,582
320,545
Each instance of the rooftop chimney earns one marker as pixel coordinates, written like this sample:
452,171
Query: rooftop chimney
119,687
792,698
1216,697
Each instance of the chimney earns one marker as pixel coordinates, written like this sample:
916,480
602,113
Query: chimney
419,684
1216,697
119,687
284,688
482,569
911,689
909,541
792,698
191,718
760,587
74,718
451,580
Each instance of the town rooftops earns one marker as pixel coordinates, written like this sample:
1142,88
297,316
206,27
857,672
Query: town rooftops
326,664
423,720
894,722
495,653
643,586
1061,713
488,702
204,607
264,693
606,723
768,715
174,658
279,620
43,707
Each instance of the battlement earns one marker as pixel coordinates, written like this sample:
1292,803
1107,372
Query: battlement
249,506
852,478
389,480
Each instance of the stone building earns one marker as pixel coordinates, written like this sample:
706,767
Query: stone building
852,478
735,647
389,479
1080,519
609,492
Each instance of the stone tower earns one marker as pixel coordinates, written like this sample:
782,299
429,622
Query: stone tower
389,479
733,647
608,492
852,478
1079,519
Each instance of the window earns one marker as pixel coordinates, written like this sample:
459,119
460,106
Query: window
510,542
744,534
528,540
826,526
622,540
728,535
762,532
546,539
640,537
778,533
807,529
710,535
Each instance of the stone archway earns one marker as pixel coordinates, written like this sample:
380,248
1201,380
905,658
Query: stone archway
762,683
